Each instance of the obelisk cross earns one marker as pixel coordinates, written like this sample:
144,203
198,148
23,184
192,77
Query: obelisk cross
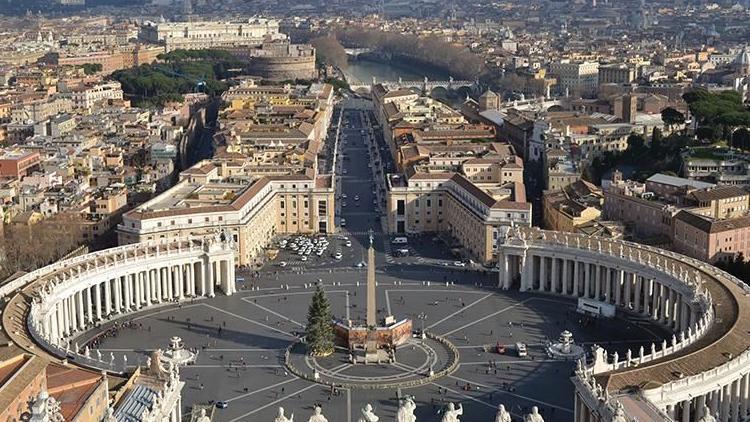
372,309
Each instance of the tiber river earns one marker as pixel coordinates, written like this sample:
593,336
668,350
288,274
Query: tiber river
364,70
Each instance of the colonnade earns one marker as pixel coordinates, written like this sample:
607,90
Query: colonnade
128,279
686,379
663,301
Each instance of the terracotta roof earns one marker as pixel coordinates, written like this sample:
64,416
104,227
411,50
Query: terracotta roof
709,225
717,193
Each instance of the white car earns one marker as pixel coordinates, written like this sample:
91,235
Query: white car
459,264
304,258
282,264
338,256
356,197
361,264
348,244
343,196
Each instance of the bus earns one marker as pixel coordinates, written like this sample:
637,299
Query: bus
595,308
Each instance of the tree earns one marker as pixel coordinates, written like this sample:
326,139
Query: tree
635,142
656,140
741,138
672,117
319,331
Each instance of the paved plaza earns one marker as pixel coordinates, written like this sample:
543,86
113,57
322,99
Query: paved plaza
242,340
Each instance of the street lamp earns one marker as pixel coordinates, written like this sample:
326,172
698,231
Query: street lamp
422,317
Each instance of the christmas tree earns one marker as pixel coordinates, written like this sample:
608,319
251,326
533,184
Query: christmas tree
319,331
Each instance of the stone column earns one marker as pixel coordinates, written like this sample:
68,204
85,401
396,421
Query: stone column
744,394
213,271
608,287
66,316
159,283
128,292
60,320
77,311
170,282
204,274
655,299
190,279
565,276
587,280
685,411
137,279
119,294
148,279
699,406
576,277
107,298
713,405
598,282
89,310
542,273
735,411
638,295
79,305
628,280
619,280
180,283
98,300
726,401
555,285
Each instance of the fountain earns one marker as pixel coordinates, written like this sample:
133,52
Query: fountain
565,348
177,354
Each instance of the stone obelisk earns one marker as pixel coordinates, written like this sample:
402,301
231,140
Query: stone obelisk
372,310
371,345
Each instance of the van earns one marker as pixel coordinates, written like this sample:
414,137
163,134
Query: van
399,240
521,349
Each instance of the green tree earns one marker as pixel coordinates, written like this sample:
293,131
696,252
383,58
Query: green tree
656,140
319,331
672,117
636,143
741,138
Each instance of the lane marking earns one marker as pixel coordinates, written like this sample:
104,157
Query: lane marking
272,312
494,390
461,310
507,308
250,320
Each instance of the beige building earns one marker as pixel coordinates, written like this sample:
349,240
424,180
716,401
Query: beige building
572,207
576,79
250,208
450,203
210,34
710,239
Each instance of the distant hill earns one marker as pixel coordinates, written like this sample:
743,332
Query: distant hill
16,7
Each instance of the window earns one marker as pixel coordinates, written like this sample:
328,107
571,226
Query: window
282,204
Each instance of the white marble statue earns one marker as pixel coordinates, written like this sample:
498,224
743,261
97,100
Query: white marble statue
368,415
502,415
406,410
534,416
281,418
452,413
317,415
707,417
202,416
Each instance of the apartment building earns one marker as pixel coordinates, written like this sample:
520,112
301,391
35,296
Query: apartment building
86,96
212,198
710,239
450,203
617,74
576,79
573,206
